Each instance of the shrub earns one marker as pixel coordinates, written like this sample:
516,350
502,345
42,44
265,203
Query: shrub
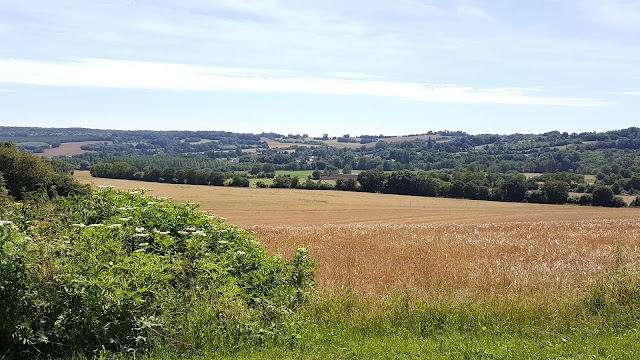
123,271
239,181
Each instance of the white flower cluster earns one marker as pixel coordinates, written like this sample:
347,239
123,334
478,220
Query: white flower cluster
5,222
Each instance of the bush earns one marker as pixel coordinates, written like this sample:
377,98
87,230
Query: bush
123,271
239,181
585,200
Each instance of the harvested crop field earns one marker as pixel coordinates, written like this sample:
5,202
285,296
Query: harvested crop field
70,148
427,247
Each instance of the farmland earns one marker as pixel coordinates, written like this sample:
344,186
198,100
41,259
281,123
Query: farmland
420,277
396,276
70,148
380,244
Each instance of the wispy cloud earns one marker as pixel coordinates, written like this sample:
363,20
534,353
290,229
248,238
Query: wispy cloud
616,13
473,12
632,93
354,75
183,77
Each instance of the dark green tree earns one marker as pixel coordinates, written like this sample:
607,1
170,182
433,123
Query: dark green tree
555,192
371,180
513,188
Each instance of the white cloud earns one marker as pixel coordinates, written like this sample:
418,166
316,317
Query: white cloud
182,77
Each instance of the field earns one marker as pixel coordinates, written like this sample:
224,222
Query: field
273,144
70,148
379,244
353,145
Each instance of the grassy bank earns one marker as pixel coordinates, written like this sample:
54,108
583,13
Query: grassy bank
600,325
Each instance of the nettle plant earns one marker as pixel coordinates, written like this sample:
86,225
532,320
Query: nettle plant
123,270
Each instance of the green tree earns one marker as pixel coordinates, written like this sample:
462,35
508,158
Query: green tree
239,181
513,188
555,192
604,196
282,181
371,180
255,169
316,174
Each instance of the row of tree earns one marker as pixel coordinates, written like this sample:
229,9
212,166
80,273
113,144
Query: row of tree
546,189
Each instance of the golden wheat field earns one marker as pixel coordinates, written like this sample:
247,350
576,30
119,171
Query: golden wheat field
427,247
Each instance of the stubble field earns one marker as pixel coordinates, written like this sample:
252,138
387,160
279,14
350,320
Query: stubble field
427,248
70,148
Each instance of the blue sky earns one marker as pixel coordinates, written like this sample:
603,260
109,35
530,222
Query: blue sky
332,66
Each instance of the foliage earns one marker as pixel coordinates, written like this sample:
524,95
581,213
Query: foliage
124,271
24,172
555,192
372,180
604,196
513,188
239,181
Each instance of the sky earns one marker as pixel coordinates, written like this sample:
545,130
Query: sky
332,66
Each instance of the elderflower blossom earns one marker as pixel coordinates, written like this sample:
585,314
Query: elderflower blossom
182,232
160,232
5,222
240,253
141,235
139,229
95,225
199,233
80,225
191,228
223,242
126,218
113,226
143,244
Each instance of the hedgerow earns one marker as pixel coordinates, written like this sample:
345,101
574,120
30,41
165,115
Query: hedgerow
124,271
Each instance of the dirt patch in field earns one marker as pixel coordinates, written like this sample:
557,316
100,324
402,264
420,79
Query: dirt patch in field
70,148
